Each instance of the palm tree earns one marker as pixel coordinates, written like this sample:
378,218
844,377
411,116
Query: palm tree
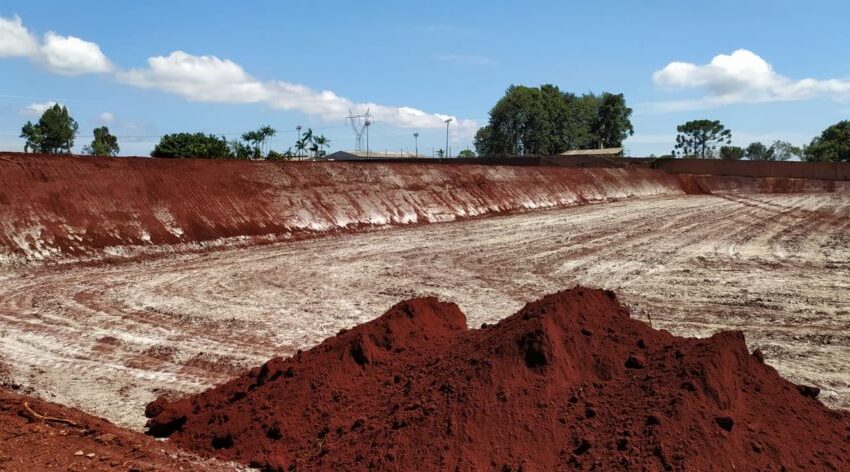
321,141
300,146
265,133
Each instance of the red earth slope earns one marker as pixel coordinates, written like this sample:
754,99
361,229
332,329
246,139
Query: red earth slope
570,381
57,207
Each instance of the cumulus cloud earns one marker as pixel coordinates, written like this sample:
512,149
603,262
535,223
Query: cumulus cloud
69,55
66,55
212,79
15,39
740,77
36,109
208,78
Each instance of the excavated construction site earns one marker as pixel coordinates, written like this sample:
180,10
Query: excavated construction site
555,315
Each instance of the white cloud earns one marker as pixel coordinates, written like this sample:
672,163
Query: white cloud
106,118
15,39
468,59
740,77
69,55
36,109
211,79
66,55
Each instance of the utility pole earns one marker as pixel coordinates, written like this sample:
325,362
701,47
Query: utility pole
367,124
416,139
298,129
447,136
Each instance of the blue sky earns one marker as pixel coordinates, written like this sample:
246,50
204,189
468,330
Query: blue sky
154,67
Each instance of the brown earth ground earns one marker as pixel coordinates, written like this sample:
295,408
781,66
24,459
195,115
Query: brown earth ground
109,338
36,435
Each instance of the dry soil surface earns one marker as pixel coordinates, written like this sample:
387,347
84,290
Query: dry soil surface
110,338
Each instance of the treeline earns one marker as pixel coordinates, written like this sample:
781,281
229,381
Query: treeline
56,131
707,139
526,121
253,145
545,120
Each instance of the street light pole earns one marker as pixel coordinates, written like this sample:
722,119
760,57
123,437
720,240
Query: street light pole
416,139
298,129
447,137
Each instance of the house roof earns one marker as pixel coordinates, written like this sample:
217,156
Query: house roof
594,152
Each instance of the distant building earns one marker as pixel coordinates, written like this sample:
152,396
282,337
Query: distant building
610,152
361,155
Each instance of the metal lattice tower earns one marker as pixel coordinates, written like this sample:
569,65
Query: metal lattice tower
360,124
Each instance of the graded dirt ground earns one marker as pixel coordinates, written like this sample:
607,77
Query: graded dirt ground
109,338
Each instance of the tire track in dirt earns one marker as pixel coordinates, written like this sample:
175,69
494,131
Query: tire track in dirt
109,338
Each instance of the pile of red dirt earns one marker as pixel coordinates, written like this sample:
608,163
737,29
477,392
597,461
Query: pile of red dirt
36,435
570,381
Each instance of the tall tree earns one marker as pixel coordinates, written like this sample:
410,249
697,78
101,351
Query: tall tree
759,152
187,145
833,145
53,134
103,144
700,138
785,151
321,142
732,153
612,124
258,140
545,120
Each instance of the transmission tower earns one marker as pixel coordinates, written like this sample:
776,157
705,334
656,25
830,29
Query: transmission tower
360,124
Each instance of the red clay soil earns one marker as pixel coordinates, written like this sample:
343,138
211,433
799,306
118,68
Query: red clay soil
54,208
37,435
569,382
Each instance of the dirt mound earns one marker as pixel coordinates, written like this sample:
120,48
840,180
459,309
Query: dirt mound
570,381
37,435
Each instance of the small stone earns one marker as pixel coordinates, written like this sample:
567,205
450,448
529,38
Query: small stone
90,455
79,453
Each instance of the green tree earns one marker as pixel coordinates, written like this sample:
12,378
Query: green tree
239,150
700,138
103,144
759,152
545,120
258,140
188,145
833,145
732,153
612,124
466,153
320,142
53,134
785,151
